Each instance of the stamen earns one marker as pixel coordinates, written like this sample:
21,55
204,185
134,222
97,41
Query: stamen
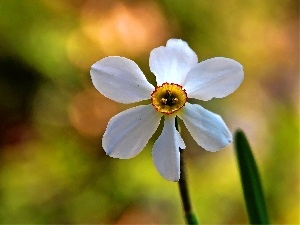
164,101
174,100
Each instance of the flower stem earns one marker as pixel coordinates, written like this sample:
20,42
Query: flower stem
190,216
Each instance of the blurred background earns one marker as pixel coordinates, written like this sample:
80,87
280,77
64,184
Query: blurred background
52,166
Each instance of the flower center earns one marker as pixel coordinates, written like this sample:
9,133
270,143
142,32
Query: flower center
168,98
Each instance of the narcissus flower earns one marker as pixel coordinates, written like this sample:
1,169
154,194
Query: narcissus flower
179,77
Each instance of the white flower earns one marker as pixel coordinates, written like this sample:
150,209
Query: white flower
179,76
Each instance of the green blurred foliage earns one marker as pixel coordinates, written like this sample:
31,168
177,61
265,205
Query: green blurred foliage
52,166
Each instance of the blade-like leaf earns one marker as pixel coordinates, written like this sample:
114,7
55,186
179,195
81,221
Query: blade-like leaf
251,183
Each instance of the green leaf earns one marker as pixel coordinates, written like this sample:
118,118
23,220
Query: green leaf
251,183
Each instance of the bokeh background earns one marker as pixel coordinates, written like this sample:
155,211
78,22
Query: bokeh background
52,166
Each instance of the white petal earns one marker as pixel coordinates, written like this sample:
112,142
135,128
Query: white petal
165,152
120,79
216,77
173,62
208,129
128,132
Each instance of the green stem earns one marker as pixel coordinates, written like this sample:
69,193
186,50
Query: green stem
190,216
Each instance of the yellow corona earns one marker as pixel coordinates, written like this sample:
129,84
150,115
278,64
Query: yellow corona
168,98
